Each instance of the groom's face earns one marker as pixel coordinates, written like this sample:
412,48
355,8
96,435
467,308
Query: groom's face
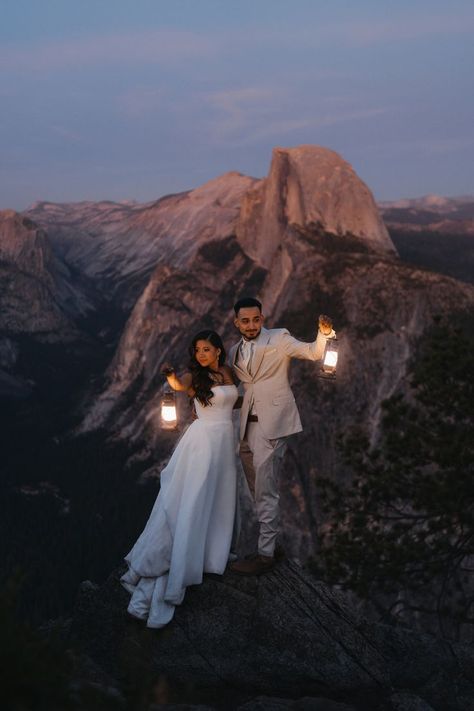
249,321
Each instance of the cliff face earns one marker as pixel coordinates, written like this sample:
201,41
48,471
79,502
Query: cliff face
307,240
36,291
117,246
309,187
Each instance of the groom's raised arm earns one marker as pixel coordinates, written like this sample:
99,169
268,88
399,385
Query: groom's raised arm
309,351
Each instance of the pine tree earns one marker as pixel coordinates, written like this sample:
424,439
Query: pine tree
401,534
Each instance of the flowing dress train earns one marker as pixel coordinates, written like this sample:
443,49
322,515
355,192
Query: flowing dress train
189,531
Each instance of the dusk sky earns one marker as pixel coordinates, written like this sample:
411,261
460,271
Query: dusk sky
114,99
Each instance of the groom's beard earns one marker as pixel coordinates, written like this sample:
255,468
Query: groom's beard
248,337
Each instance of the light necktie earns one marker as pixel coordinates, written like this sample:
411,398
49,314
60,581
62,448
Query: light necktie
246,350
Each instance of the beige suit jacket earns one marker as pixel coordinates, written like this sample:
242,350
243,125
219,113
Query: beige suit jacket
267,390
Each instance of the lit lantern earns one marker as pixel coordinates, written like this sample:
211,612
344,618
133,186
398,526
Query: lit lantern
169,417
328,367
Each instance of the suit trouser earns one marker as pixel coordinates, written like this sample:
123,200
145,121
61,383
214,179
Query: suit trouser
261,460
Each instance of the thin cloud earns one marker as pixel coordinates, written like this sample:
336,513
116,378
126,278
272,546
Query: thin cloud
407,29
178,46
149,47
238,109
247,115
175,45
445,146
288,126
420,147
370,32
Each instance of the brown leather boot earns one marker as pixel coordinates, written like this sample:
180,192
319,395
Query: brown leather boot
256,565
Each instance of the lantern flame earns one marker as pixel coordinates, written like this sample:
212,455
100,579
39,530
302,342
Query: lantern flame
328,366
168,413
330,359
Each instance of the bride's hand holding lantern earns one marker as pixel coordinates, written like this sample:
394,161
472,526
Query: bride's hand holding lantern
169,417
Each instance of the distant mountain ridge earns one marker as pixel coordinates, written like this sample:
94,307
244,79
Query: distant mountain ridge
434,232
118,245
431,201
434,212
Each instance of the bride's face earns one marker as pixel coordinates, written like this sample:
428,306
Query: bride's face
206,354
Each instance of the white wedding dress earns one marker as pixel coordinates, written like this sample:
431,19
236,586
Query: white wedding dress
189,531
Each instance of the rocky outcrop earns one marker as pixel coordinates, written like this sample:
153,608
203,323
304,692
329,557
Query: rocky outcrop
283,635
309,187
37,296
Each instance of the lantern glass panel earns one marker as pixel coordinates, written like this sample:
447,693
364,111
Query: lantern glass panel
329,364
330,358
168,413
169,417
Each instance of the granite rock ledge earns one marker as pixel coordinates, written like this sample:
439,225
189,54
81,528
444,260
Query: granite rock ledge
284,635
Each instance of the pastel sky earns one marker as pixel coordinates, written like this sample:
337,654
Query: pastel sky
114,99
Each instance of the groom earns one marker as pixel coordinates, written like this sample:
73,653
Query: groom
269,414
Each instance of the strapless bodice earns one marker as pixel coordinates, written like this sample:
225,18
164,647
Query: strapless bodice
222,404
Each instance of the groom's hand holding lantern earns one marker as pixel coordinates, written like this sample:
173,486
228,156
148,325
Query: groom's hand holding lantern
325,325
329,362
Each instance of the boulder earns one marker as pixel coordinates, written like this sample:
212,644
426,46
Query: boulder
284,636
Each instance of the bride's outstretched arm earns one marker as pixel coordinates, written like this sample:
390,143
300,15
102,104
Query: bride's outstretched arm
182,383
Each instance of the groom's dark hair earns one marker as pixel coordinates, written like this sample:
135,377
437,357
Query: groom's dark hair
245,303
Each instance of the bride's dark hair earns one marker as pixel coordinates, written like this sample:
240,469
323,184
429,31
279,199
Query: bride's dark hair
202,380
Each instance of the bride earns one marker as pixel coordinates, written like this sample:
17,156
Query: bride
189,531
